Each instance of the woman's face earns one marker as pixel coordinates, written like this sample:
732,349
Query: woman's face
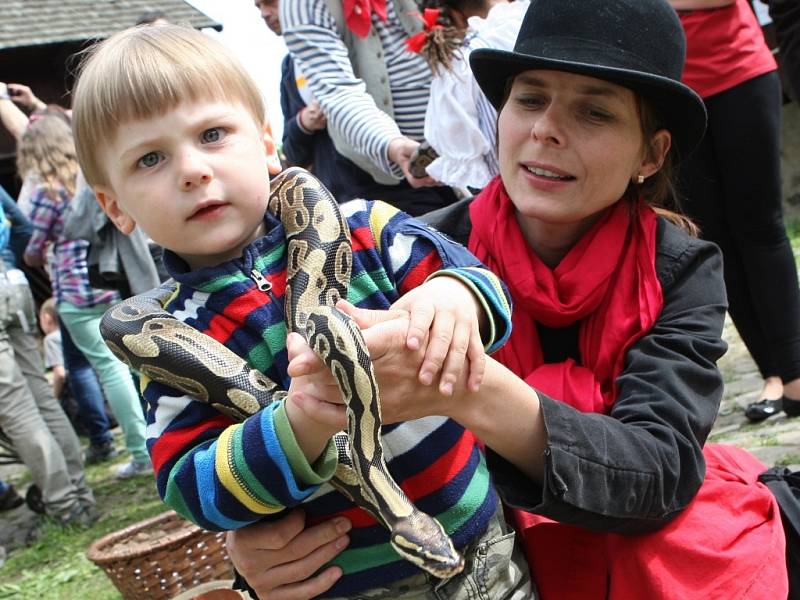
569,145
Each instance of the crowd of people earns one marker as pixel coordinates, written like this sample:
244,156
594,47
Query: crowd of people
542,287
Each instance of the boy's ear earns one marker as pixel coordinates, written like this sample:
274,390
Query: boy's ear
273,160
108,202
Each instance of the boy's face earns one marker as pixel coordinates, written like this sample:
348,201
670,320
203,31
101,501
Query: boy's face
194,179
47,322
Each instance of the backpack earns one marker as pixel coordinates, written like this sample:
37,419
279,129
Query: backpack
785,486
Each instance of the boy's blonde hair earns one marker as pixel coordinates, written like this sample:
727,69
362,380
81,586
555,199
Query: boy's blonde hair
46,152
49,308
145,71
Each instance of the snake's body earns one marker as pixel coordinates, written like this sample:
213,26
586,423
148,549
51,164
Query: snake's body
319,260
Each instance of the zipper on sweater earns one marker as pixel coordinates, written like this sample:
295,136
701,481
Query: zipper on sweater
263,284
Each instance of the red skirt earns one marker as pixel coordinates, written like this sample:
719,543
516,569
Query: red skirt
728,544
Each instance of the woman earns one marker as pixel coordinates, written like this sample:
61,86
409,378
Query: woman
732,188
595,413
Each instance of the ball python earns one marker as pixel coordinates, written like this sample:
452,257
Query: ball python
319,261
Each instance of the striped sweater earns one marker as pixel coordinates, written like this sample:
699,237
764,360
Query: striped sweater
224,475
311,36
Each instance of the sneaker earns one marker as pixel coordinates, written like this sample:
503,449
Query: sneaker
100,453
10,499
133,469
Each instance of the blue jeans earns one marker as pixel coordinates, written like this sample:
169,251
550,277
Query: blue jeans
84,326
86,390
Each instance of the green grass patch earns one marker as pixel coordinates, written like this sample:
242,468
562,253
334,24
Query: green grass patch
55,567
789,459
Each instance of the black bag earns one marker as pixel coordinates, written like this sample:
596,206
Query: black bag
785,486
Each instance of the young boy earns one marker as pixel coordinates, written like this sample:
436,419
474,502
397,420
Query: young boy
53,354
171,135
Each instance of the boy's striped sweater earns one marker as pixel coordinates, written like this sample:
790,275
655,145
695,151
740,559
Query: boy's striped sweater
225,475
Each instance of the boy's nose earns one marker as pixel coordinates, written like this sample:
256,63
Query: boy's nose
191,181
195,171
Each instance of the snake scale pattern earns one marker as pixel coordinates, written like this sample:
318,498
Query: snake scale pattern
319,260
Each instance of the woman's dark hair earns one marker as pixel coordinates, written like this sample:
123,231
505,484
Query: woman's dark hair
659,190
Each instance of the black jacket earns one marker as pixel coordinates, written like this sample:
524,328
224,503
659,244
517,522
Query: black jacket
635,469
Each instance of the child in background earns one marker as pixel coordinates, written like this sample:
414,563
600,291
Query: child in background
171,134
53,353
47,151
460,123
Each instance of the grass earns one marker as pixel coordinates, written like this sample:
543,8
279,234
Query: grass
55,567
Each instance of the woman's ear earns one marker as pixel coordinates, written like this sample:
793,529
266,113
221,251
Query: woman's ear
656,152
273,160
108,202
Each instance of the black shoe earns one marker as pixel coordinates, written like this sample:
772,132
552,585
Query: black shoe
10,499
763,409
100,453
791,407
33,498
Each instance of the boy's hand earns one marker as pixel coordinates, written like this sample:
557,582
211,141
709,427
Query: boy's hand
314,404
445,315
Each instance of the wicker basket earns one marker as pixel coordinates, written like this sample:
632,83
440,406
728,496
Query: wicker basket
161,557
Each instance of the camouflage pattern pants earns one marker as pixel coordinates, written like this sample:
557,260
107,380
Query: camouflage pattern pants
495,569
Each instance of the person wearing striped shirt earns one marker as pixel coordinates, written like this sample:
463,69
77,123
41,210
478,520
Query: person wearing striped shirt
373,91
191,171
306,142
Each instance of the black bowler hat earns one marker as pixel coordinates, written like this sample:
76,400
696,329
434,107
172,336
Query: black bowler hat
638,44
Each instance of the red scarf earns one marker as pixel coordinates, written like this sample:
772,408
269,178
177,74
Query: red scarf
607,282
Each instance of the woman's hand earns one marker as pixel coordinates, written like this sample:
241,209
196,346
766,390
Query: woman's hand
279,558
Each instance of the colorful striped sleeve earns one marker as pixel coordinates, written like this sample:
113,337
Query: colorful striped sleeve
414,252
203,471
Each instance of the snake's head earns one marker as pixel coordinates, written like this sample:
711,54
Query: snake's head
421,540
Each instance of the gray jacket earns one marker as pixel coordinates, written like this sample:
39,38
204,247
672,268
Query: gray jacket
116,260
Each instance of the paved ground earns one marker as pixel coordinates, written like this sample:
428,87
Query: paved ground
775,441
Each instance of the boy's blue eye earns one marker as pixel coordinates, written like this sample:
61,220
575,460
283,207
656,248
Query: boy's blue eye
151,159
214,134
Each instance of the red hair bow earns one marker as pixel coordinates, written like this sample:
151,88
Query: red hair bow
429,18
358,13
